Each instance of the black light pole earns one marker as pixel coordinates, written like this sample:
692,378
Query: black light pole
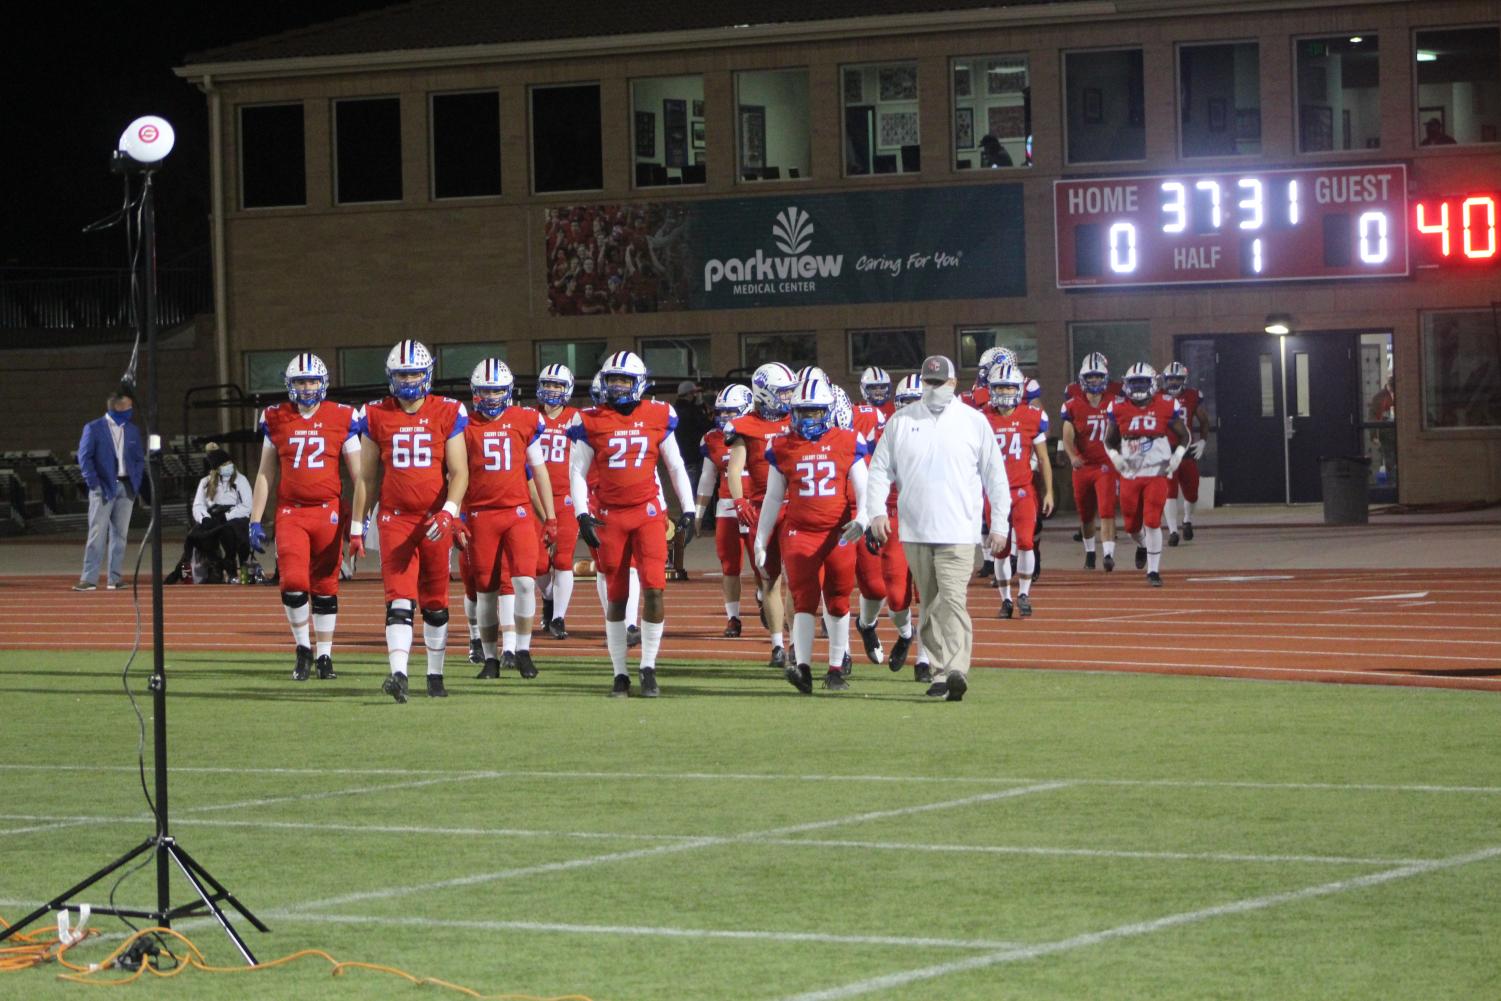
145,143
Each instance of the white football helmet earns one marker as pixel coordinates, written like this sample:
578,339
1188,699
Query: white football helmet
626,363
733,401
1094,373
307,366
1174,378
492,384
811,372
909,390
1006,386
772,386
554,385
1140,382
875,386
812,408
407,358
844,407
597,389
982,369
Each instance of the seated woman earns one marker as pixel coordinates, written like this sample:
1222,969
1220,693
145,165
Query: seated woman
221,521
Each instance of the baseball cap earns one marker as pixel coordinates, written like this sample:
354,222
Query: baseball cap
686,387
937,368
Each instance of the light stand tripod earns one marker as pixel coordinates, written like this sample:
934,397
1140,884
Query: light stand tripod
165,847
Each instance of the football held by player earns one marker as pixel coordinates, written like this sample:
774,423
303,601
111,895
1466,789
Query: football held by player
418,440
1138,445
302,441
1021,432
1085,417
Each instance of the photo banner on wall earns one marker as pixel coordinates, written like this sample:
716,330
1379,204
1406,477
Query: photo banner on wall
812,250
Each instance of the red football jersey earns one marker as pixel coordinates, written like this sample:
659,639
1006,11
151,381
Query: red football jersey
868,422
554,442
1145,433
1113,389
977,397
1188,401
1016,433
817,475
308,449
1089,427
713,448
412,450
497,458
758,433
625,449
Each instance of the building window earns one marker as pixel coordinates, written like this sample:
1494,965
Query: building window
992,112
266,371
273,160
681,357
1219,99
457,361
583,358
1339,93
667,130
465,130
1461,369
1459,86
792,350
1106,112
367,150
899,350
362,367
1019,337
567,153
1123,342
771,125
880,119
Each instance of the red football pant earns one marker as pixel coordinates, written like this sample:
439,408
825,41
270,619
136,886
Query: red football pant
1024,517
1142,501
730,544
561,556
898,579
1186,479
818,563
1094,492
631,534
307,548
412,565
870,571
503,544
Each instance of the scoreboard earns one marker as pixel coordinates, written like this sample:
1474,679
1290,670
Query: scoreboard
1302,224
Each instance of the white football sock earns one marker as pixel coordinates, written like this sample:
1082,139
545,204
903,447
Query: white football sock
323,625
802,637
1089,543
471,617
776,641
526,610
732,609
508,622
399,639
1109,547
562,592
1026,562
839,640
1170,514
651,640
487,614
903,622
615,640
1154,549
1188,510
298,618
870,610
633,600
435,638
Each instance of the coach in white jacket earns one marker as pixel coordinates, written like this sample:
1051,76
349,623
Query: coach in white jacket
940,454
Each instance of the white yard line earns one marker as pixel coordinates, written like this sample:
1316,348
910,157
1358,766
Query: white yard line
1140,928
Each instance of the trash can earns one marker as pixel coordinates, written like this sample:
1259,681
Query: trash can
1346,489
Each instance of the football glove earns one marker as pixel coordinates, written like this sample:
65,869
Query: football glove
586,530
1176,460
760,555
852,531
461,535
746,511
550,532
439,526
257,537
1197,449
357,546
872,544
1116,460
687,526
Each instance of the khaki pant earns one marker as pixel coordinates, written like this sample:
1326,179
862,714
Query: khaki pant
941,574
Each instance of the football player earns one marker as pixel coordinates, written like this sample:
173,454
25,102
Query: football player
1021,432
730,537
1183,491
417,439
302,441
979,393
601,585
814,467
771,389
502,539
875,390
1138,445
1094,362
555,567
1085,418
624,439
869,420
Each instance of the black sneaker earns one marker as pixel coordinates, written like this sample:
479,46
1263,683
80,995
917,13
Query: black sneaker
1109,563
546,609
524,664
490,670
834,682
938,690
800,676
649,689
85,585
632,636
1089,561
508,660
987,569
557,629
778,657
395,686
846,665
1141,557
304,667
476,651
1172,538
922,671
622,687
899,653
1006,607
325,665
435,689
872,641
1079,536
1024,605
732,627
957,687
1188,531
1154,578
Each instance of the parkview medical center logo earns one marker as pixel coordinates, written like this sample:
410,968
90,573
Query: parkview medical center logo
795,271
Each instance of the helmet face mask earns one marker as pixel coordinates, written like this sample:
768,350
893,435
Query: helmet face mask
772,387
733,401
306,380
493,386
909,390
624,378
813,409
875,386
1140,382
1007,385
1174,378
409,370
554,385
597,389
1094,373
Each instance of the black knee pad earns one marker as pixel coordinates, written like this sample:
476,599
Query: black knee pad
435,616
398,616
295,599
325,604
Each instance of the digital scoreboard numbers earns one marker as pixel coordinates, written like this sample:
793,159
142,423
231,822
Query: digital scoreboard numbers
1264,226
1457,230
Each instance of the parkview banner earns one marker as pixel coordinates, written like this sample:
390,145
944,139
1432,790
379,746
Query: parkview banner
787,250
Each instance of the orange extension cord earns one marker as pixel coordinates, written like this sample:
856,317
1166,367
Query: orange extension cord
38,948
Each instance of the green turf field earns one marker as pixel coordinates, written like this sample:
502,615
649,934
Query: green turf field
1055,836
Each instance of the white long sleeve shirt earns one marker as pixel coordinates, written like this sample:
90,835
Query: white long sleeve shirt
940,463
235,491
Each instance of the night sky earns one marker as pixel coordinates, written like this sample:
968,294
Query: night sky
75,74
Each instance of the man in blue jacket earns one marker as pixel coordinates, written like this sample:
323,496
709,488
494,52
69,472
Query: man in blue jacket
113,460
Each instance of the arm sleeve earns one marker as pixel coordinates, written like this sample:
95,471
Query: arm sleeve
672,423
706,477
578,469
859,479
242,498
200,501
878,483
676,470
460,422
771,506
534,453
86,457
260,427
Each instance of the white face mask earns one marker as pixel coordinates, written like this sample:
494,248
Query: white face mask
227,471
937,398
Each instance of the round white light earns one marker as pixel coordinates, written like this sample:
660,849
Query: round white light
148,139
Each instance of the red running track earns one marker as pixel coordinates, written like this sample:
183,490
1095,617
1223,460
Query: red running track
1420,627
